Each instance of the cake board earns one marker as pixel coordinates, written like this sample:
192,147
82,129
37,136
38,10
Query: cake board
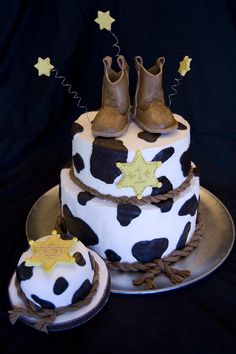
212,251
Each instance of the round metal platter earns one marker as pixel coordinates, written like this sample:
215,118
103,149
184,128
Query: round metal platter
214,248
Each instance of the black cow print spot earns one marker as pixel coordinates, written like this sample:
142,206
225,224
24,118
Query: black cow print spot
91,260
126,213
185,161
166,186
79,259
23,272
62,225
149,137
182,240
106,153
60,285
65,236
198,215
147,251
78,228
59,193
196,172
76,128
112,256
78,162
84,197
81,292
182,126
164,154
43,303
189,207
165,205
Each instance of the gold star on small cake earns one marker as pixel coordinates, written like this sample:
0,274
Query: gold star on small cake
50,252
139,174
104,20
44,66
184,65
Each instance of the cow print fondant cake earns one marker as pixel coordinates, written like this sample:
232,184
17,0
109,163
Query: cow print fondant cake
123,231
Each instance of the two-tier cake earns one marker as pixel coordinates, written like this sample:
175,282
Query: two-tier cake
132,193
115,223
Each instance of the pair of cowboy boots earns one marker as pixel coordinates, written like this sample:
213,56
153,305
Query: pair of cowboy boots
149,110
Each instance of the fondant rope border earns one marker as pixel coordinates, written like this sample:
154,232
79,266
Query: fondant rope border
133,200
47,316
158,266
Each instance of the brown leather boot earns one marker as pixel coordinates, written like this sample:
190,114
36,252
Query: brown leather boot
113,117
150,111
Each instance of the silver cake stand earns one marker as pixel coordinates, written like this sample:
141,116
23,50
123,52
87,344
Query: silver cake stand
213,249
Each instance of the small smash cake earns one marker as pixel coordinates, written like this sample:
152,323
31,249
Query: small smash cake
58,284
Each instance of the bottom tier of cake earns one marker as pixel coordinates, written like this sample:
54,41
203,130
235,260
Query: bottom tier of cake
125,232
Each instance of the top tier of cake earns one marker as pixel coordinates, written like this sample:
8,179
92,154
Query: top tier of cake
95,159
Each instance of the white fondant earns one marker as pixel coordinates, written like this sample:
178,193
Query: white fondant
82,143
101,216
41,283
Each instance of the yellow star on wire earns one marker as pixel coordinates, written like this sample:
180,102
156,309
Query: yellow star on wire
104,20
139,174
50,252
184,66
44,66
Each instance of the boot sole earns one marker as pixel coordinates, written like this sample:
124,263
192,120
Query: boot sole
156,131
109,135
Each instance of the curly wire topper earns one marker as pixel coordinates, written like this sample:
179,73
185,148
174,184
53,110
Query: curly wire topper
70,90
116,44
173,87
184,67
104,20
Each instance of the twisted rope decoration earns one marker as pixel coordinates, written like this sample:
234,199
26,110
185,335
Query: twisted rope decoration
75,94
47,316
116,44
133,200
158,266
173,87
152,269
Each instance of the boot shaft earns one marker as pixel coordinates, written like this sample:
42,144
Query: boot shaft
149,83
115,90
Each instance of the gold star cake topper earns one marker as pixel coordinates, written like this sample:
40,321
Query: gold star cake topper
44,66
139,174
51,252
184,66
104,20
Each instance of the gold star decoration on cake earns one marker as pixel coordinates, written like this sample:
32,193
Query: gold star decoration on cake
184,66
51,252
44,66
104,20
139,174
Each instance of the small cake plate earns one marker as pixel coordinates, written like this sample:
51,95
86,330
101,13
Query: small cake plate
212,251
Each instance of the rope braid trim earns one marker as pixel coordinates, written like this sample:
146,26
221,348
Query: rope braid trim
133,200
158,266
47,316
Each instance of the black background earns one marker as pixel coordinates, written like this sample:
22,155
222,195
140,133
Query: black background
36,114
